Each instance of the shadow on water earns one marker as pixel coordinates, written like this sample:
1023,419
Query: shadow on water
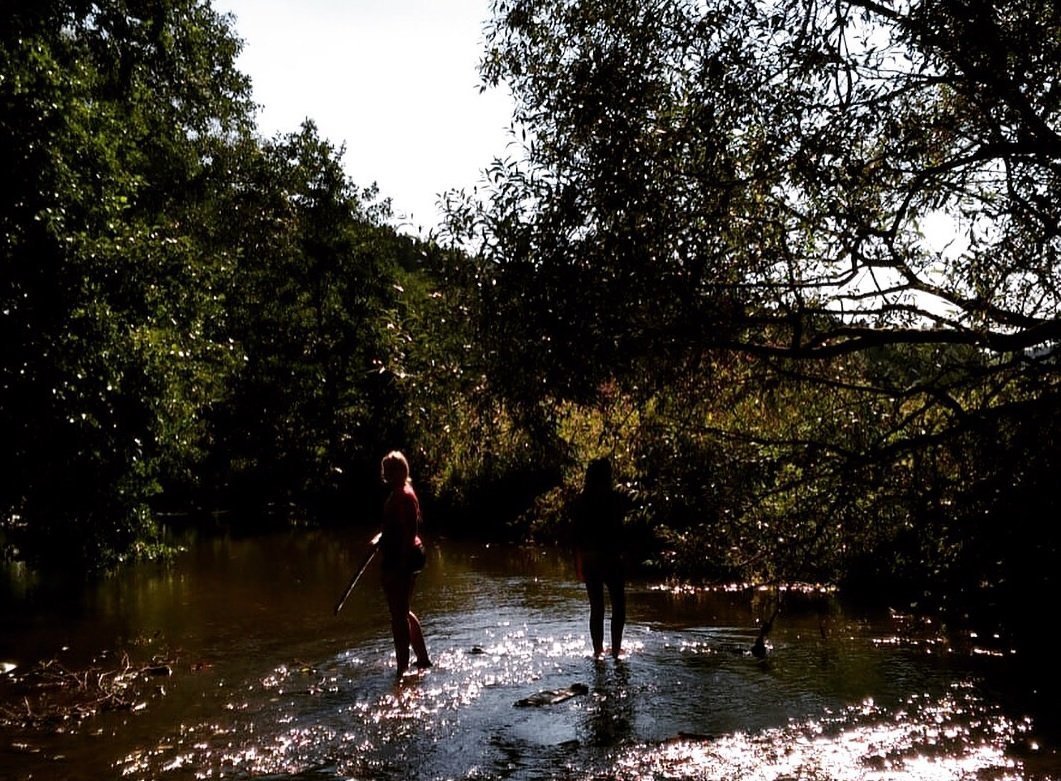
262,681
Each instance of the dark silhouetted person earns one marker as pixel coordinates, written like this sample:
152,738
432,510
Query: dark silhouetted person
401,559
599,538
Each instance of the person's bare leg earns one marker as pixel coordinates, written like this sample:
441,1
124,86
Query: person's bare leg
617,595
595,590
398,605
416,637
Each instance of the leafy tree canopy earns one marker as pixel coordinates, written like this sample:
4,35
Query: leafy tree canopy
723,216
760,176
111,115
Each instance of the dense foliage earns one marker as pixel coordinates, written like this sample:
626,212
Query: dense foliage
191,316
110,321
720,217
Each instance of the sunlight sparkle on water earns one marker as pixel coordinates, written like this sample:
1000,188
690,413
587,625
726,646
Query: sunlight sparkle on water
917,744
689,701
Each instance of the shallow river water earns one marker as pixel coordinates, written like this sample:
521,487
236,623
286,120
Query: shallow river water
229,663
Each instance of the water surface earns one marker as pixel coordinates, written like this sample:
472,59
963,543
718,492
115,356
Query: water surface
232,665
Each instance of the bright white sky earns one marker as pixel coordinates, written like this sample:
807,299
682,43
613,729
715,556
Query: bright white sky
393,80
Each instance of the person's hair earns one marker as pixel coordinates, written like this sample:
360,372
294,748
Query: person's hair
389,461
599,474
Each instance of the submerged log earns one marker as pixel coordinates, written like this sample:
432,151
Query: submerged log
552,696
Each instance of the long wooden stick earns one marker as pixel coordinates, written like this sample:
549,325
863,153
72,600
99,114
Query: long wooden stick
359,573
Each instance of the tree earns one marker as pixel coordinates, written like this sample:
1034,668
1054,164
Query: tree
785,158
110,116
310,307
760,178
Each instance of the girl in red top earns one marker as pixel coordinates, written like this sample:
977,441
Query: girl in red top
401,548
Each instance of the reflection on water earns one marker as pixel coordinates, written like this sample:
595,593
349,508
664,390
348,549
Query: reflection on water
267,683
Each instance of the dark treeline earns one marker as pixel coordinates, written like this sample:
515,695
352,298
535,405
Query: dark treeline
708,263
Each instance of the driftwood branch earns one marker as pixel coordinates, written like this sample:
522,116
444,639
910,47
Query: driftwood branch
53,696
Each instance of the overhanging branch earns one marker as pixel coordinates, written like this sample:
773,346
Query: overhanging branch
844,340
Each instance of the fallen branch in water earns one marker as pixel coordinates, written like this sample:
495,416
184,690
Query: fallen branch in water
51,696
